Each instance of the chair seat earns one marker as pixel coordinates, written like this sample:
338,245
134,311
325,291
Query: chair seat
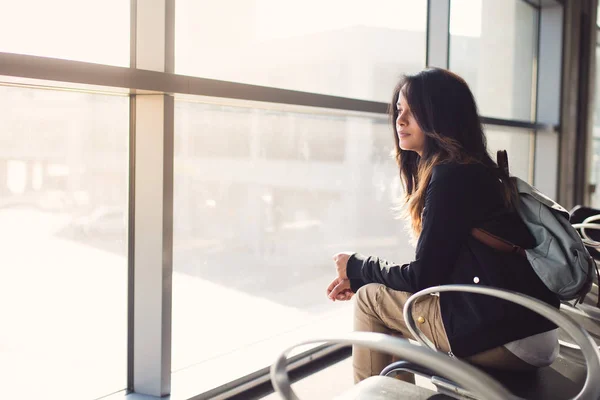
384,388
562,380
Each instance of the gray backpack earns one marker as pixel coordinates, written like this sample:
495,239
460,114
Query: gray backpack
559,258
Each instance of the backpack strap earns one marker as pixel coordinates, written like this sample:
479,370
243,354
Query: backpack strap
486,237
502,160
496,242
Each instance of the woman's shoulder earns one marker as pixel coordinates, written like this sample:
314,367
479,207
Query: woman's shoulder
460,172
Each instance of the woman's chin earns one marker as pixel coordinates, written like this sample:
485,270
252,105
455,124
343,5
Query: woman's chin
406,148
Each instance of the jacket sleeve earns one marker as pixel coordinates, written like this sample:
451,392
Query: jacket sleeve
448,218
356,284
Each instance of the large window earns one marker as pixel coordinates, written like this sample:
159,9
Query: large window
344,48
263,199
268,183
63,214
92,31
493,45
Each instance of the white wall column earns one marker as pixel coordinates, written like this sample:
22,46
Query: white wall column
576,108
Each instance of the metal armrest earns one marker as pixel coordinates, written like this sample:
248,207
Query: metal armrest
407,366
442,384
459,371
588,224
591,387
583,310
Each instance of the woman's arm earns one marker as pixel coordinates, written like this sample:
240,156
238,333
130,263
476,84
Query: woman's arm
450,212
356,283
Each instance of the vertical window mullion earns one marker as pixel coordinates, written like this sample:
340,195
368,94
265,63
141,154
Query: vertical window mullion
151,196
549,77
438,33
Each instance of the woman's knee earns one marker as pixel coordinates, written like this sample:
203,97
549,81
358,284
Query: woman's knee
366,297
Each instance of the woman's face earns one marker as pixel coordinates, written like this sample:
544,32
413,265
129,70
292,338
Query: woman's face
410,135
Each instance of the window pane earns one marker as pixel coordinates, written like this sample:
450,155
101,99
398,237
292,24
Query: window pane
263,199
493,45
63,215
92,31
518,144
351,49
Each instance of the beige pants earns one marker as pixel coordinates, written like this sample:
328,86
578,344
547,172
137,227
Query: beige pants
378,308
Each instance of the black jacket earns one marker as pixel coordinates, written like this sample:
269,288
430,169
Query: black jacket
459,198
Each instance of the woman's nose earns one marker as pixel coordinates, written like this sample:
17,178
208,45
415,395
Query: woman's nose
400,121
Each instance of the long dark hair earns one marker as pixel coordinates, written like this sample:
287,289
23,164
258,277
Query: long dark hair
443,106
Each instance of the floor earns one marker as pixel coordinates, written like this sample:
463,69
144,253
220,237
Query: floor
329,382
325,384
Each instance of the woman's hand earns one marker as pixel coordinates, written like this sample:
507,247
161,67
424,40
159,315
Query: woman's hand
341,263
339,289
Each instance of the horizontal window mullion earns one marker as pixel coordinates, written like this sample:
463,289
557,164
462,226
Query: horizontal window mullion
518,124
25,66
52,69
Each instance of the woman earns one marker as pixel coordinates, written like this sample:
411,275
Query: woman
452,186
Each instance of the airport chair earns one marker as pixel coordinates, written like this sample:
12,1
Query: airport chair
571,376
454,378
